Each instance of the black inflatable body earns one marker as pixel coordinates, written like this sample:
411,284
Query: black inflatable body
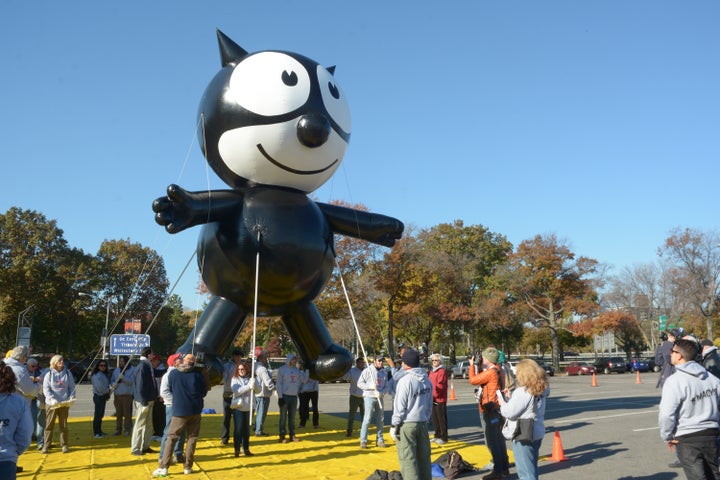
274,126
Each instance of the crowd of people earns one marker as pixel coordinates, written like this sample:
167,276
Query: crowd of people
166,402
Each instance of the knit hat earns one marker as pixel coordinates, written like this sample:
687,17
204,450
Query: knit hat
411,358
491,354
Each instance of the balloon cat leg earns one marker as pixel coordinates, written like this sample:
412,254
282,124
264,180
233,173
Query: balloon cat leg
325,359
214,333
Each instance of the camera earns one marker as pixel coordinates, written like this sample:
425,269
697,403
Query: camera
478,357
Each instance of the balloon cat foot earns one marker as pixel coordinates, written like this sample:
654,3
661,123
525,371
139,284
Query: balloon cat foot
332,364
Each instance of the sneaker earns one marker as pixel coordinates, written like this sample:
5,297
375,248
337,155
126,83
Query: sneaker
295,439
117,433
64,449
39,446
99,435
440,441
380,444
261,434
363,445
160,472
348,433
248,453
675,464
44,450
187,471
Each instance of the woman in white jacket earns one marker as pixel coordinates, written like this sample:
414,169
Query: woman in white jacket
242,387
527,401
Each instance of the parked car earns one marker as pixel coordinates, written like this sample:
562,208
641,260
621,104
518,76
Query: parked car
546,366
461,369
609,365
638,365
579,368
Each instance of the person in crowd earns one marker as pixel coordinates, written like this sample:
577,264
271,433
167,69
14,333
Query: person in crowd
491,380
688,413
189,387
412,407
173,362
26,385
229,371
59,392
439,380
528,400
289,378
374,384
122,382
144,395
506,372
356,401
710,357
668,368
396,369
33,368
243,387
309,393
158,411
100,380
262,399
17,426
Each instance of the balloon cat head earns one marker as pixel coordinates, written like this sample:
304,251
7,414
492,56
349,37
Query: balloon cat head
274,126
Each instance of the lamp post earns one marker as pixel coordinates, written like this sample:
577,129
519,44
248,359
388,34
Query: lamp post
103,338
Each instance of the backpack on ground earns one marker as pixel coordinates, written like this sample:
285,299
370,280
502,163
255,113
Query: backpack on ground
453,464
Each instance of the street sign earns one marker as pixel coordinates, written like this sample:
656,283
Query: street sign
663,319
128,344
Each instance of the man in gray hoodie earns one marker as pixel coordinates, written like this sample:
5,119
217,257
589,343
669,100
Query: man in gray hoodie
289,378
689,410
412,408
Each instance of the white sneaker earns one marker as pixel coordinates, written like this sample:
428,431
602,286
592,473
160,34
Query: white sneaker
187,471
160,472
440,441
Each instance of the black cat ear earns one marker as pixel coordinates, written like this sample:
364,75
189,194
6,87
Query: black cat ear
230,52
331,70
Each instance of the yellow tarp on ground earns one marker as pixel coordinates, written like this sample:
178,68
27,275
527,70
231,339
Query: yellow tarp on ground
323,453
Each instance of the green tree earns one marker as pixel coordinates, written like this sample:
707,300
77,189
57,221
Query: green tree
37,267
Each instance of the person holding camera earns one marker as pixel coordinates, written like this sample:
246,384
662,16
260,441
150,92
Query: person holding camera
491,380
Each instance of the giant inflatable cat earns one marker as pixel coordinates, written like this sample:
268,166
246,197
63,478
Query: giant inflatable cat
274,126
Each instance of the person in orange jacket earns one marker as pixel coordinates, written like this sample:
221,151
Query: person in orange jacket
490,379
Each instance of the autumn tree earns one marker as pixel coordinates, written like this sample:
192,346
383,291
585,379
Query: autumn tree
696,257
622,323
552,285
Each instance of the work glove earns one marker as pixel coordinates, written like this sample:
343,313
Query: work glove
394,433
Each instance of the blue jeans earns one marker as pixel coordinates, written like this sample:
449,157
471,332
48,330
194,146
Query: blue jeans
8,470
495,441
261,408
288,412
526,459
241,435
99,401
40,427
373,412
180,445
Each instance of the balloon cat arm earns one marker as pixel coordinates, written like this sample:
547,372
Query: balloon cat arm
372,227
182,209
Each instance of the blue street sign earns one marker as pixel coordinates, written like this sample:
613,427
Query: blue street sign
128,344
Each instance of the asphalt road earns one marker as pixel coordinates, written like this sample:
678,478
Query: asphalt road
607,432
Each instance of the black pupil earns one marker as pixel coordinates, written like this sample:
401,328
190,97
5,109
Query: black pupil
289,79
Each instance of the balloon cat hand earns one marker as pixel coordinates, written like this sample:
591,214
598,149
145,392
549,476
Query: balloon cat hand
182,209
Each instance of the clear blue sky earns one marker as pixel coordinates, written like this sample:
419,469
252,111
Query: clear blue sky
597,121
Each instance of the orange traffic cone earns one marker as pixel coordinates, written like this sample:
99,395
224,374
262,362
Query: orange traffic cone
637,377
557,452
452,391
594,380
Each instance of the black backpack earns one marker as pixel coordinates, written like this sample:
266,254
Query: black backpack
453,464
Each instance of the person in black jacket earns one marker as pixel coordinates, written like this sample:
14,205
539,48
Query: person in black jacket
710,357
144,393
188,386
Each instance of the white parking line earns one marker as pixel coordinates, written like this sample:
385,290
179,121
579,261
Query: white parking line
588,419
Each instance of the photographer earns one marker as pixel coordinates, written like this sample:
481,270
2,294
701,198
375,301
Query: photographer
491,380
